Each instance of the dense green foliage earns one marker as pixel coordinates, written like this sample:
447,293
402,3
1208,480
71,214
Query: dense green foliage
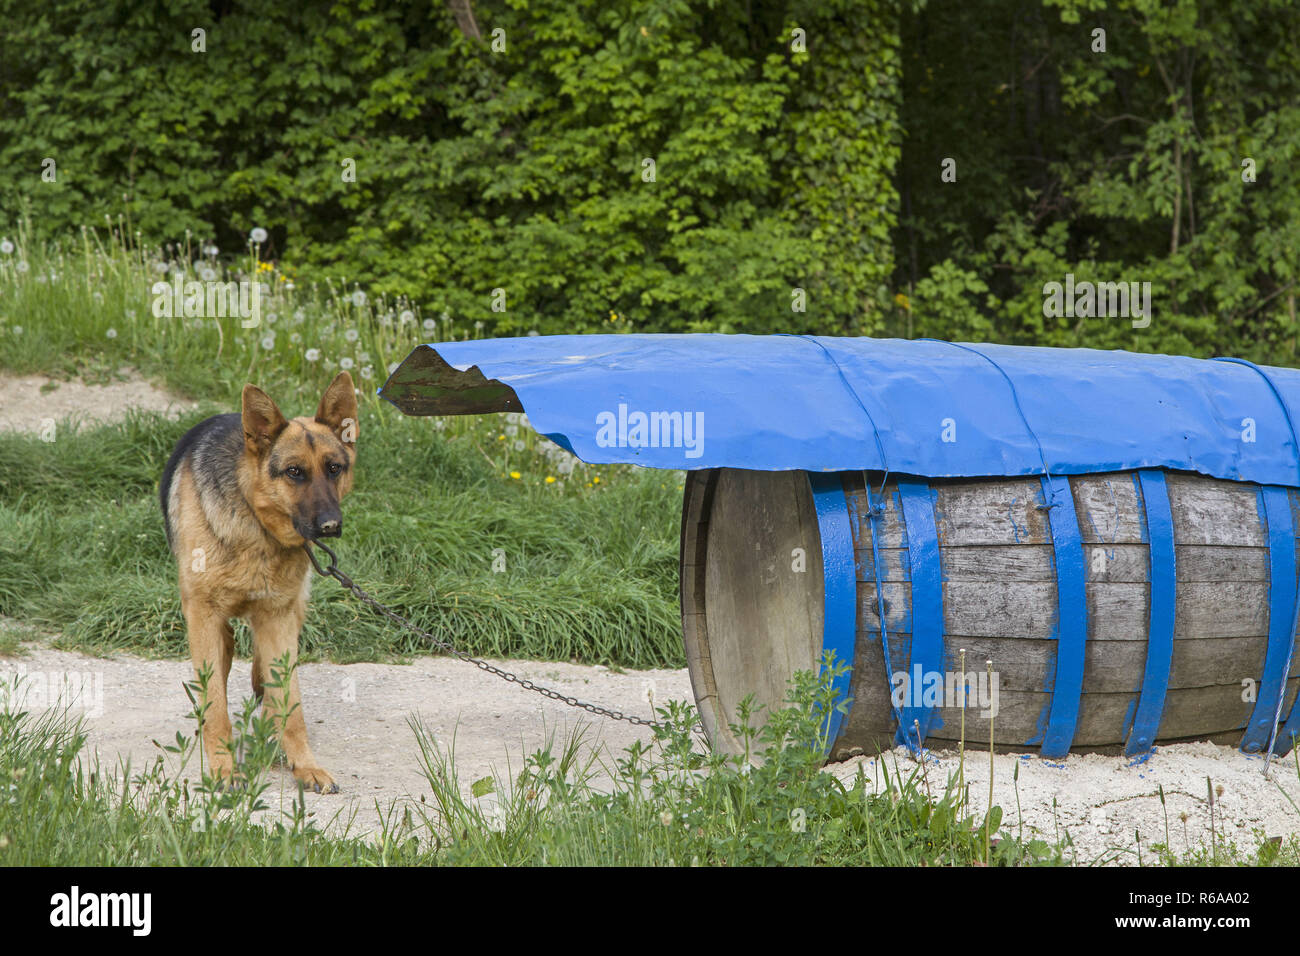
511,161
1123,165
500,159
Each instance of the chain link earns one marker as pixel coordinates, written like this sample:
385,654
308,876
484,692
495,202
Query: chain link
333,572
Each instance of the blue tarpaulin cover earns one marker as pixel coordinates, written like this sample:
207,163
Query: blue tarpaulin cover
929,408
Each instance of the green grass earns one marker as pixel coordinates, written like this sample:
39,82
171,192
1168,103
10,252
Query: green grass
86,307
590,553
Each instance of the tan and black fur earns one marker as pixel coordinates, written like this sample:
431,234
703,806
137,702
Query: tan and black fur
240,496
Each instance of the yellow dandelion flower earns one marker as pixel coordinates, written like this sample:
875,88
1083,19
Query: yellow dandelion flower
514,474
596,480
550,479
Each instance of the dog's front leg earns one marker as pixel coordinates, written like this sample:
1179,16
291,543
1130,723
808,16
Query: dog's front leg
212,642
275,633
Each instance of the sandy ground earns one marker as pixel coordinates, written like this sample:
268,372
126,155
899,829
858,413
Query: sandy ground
27,408
357,717
1101,803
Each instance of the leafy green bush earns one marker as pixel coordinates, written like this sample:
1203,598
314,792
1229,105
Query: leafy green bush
1163,158
512,160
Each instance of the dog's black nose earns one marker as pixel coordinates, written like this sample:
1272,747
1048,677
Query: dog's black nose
331,528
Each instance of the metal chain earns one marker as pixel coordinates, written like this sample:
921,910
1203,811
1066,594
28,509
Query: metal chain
333,572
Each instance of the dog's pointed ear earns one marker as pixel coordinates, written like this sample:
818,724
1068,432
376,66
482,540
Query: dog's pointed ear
338,409
262,419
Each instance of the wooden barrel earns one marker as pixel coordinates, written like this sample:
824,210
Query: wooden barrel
1119,610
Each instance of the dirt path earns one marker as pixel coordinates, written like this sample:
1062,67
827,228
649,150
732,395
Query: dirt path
1099,802
33,401
357,715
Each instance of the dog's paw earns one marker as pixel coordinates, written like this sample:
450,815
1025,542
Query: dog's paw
314,778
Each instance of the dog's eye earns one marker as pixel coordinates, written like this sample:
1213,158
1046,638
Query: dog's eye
293,471
335,468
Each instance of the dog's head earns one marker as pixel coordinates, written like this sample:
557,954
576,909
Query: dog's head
297,471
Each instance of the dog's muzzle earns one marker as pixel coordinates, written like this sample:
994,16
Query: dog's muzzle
329,528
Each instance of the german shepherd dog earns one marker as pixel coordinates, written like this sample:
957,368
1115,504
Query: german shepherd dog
241,495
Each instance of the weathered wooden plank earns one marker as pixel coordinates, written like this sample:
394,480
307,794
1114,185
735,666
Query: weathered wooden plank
1228,660
1001,511
999,609
898,607
1109,507
1016,562
892,527
1118,611
1117,562
894,564
1216,609
1198,562
1209,511
764,619
1197,711
1028,665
